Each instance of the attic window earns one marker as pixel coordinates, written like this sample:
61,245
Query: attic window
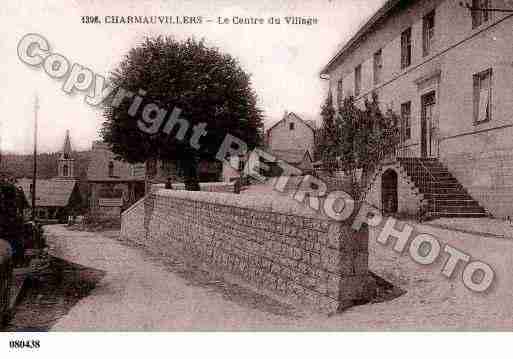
111,169
291,126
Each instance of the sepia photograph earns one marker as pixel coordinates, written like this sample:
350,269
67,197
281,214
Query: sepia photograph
229,166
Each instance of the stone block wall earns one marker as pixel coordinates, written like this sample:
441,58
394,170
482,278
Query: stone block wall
272,245
333,183
487,176
409,199
293,184
204,186
336,183
132,222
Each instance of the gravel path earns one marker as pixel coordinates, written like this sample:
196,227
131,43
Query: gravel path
140,292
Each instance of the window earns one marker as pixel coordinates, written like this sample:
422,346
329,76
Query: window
340,92
405,121
378,66
480,16
406,48
111,169
483,96
357,80
428,33
291,126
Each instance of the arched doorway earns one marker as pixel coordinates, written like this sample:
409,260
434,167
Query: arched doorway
389,191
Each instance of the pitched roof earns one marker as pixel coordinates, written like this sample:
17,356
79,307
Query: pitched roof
310,124
383,12
49,193
98,167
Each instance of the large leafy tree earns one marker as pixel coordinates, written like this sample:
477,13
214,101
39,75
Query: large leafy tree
207,85
368,137
363,138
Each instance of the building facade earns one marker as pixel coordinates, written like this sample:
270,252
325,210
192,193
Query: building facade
291,133
291,140
59,197
448,71
113,185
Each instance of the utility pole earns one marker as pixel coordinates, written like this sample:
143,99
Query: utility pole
0,145
36,108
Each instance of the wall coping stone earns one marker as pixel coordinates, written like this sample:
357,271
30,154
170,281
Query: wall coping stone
259,202
181,184
133,206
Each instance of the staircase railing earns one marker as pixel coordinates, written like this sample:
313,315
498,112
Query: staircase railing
428,181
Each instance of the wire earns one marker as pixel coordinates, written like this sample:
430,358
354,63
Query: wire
471,8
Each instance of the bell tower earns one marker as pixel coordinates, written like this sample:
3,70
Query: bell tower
66,164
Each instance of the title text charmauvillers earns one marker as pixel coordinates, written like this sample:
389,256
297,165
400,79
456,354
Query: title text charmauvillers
172,20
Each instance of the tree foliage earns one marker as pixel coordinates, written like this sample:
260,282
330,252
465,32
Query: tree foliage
208,86
328,141
363,138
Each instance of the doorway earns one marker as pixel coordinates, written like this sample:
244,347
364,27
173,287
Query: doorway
389,191
428,103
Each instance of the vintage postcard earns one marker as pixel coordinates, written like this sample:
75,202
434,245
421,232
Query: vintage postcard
231,165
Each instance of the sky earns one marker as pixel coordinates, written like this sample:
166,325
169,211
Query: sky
284,60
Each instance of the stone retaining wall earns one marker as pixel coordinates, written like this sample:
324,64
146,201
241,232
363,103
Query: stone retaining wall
204,186
132,222
487,176
274,245
332,184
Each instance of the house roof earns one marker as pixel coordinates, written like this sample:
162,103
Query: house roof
310,124
98,167
382,13
292,157
49,193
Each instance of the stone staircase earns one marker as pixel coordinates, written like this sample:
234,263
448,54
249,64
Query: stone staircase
443,195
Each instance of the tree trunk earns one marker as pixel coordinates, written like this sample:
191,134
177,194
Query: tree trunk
150,172
367,172
190,173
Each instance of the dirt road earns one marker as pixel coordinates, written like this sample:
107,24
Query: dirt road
142,292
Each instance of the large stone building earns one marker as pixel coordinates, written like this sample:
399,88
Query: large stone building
448,71
291,139
291,133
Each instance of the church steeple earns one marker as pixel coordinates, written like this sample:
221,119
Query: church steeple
66,164
66,149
